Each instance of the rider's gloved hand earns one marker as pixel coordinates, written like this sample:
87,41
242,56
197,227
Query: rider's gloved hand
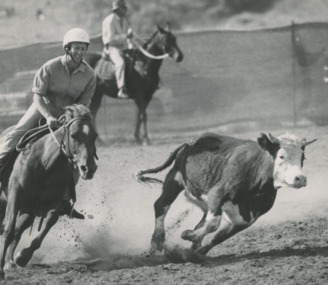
52,121
129,34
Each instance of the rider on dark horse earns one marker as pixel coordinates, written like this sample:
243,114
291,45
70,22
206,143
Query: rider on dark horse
60,82
116,35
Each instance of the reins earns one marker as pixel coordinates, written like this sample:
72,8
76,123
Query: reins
61,143
145,52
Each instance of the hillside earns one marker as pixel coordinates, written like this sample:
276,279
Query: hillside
24,22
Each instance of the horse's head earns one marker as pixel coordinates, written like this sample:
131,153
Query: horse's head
79,143
167,43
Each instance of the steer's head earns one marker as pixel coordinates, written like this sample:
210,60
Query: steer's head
288,154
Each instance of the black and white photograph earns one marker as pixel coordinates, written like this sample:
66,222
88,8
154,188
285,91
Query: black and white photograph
163,142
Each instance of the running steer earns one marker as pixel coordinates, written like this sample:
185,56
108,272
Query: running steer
233,181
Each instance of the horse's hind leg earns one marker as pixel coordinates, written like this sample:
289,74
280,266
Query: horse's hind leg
171,190
23,222
25,255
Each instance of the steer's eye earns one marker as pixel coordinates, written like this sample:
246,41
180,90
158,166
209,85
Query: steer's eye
281,157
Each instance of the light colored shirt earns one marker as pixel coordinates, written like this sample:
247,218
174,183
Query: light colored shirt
114,30
54,81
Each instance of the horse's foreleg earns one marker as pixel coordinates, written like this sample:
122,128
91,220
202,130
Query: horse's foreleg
137,126
25,255
9,231
141,120
144,122
23,222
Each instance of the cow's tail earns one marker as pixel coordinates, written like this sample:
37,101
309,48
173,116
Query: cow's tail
166,164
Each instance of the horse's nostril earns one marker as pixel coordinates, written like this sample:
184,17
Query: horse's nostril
84,168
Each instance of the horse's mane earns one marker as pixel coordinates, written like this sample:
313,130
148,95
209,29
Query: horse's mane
77,110
150,40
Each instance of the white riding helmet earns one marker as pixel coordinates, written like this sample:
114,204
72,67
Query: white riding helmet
76,35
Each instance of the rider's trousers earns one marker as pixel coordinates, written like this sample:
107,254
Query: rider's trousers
119,63
29,121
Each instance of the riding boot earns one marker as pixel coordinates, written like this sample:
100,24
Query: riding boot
122,93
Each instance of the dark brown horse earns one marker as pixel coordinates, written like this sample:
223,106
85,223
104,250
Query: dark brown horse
40,178
142,75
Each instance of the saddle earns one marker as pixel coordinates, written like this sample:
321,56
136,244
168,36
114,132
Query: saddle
105,68
24,144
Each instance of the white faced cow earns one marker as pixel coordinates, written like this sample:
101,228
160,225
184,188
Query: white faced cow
233,181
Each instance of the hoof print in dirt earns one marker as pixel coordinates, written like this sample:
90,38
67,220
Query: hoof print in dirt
178,254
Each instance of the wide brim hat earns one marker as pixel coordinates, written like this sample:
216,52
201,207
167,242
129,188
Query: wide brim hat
117,4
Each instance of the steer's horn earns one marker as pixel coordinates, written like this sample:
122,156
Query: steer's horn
305,143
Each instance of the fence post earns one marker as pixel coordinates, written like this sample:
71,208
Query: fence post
294,74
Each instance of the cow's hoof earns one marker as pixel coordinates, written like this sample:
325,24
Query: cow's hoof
10,265
188,235
156,245
23,257
157,241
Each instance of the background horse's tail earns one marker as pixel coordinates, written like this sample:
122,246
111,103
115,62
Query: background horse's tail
166,164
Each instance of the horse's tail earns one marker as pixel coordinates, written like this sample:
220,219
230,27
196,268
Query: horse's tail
167,163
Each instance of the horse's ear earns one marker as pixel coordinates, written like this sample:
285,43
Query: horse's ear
168,26
160,29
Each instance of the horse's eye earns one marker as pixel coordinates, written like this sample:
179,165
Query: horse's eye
75,136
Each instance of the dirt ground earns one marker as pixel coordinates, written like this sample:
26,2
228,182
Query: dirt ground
288,245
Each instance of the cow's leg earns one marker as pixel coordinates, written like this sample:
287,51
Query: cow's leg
225,231
171,190
24,256
209,225
9,231
211,205
232,222
23,222
199,225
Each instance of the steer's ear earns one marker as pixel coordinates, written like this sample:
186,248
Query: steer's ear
270,144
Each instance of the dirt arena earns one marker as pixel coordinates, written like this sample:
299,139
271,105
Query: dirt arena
240,91
288,245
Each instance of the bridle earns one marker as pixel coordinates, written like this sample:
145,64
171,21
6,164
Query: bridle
65,147
146,53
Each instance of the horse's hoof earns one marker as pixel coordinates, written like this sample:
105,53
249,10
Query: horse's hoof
146,142
23,257
2,274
